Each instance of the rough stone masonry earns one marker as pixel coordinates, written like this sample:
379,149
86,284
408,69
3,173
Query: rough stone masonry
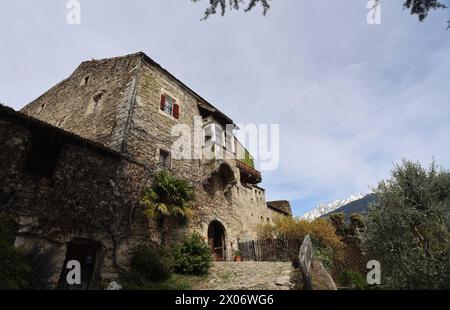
75,162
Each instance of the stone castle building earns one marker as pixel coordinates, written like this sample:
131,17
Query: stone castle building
75,163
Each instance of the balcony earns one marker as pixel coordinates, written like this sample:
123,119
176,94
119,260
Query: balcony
248,174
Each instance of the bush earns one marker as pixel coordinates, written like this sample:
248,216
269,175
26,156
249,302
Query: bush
324,254
21,269
326,243
8,229
352,279
325,235
14,272
192,256
41,268
150,263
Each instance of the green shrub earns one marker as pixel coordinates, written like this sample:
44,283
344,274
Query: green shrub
13,268
150,263
14,272
192,256
352,279
8,229
41,268
324,254
21,269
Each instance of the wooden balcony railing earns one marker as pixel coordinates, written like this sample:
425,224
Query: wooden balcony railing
250,174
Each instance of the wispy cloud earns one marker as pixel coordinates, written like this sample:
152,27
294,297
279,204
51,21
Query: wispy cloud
350,98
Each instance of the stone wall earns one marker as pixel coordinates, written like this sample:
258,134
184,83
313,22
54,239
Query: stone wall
93,102
92,193
116,102
239,207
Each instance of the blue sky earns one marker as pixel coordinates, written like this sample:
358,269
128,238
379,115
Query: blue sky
350,98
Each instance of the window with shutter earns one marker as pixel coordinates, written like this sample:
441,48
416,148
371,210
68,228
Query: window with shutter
163,102
176,111
169,106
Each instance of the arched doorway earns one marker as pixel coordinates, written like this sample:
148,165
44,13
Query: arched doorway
216,240
86,252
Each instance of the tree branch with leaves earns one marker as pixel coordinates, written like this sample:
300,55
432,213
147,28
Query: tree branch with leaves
420,8
222,5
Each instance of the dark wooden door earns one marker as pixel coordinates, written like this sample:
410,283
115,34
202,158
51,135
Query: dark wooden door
85,252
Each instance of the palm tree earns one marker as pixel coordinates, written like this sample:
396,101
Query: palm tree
168,198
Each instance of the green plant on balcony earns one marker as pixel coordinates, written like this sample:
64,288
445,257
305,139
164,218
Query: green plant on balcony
248,160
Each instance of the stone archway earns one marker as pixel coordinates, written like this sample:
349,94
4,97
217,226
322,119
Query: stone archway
217,240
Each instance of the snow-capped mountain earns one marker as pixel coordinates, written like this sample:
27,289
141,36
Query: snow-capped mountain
326,208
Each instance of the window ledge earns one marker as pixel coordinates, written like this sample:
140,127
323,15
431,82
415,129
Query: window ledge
168,116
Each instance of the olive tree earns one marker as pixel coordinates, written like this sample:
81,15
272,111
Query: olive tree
408,228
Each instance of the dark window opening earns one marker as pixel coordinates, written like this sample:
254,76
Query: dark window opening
42,154
41,107
164,159
98,97
207,138
207,131
96,102
85,80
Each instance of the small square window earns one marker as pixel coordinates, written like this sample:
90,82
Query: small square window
207,132
164,159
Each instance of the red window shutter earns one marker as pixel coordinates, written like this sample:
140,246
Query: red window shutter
163,102
176,110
